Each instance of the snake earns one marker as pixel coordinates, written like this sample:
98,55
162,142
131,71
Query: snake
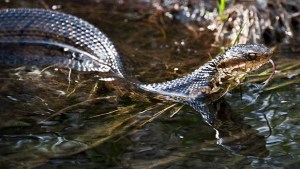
70,42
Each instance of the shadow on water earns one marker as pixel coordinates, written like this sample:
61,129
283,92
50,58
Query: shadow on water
53,117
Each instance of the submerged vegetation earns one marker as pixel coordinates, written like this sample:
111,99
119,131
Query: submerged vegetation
53,117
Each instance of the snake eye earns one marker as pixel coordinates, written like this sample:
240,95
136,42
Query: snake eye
252,56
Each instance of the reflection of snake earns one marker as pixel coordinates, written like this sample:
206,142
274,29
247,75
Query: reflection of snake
74,43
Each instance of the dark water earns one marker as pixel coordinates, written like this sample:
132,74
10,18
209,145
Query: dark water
54,118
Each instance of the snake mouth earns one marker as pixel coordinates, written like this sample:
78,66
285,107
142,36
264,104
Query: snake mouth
242,65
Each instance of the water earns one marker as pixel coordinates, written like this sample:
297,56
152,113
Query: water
53,118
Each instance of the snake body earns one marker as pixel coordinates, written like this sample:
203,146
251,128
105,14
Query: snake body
81,46
90,49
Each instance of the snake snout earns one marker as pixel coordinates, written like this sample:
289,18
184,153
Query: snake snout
244,58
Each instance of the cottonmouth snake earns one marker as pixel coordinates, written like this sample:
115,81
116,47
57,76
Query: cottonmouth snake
74,43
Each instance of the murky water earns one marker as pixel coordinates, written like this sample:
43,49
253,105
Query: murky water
54,118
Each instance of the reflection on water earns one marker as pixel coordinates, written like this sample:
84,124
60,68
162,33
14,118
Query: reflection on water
233,134
52,118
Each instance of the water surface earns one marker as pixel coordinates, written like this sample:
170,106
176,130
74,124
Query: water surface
52,118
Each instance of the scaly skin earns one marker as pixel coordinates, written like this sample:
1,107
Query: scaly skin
229,67
81,46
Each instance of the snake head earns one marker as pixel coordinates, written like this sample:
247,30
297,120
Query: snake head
243,59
